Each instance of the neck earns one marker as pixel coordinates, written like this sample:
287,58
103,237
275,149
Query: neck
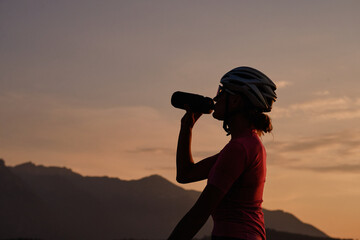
238,125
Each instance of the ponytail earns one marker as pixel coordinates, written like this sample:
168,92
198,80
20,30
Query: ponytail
260,121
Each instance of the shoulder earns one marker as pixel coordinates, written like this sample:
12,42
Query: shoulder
234,147
251,145
248,141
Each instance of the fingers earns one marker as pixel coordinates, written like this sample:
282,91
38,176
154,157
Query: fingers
190,118
188,110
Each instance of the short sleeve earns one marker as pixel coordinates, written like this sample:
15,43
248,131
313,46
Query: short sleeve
228,167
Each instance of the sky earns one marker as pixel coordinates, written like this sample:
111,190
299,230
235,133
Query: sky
87,85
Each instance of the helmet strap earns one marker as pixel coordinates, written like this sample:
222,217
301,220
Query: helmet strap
226,116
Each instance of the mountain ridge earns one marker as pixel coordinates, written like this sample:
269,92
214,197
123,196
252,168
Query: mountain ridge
69,204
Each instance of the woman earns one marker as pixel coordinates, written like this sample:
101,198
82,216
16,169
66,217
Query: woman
236,175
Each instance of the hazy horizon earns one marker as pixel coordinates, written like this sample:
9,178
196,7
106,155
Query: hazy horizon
87,85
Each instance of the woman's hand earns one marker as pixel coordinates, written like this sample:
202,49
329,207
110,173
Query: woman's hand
189,119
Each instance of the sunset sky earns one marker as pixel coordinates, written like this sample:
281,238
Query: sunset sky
87,85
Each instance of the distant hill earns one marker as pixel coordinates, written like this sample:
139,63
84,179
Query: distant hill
57,203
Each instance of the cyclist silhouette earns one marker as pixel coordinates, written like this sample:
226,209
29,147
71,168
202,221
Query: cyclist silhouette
236,175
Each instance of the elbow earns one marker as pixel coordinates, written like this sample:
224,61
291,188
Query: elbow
181,179
184,175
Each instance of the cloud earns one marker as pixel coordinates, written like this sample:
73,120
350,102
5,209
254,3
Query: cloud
282,84
321,105
357,102
153,150
340,115
322,93
321,109
338,151
348,168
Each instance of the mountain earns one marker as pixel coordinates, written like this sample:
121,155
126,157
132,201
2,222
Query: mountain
286,222
272,234
57,203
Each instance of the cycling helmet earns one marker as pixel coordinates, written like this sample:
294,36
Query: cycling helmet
253,84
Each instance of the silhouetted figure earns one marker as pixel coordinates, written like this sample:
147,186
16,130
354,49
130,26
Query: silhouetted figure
236,175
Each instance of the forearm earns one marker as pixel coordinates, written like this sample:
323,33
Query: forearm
184,159
189,225
192,222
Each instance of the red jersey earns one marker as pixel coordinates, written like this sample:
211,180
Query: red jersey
240,171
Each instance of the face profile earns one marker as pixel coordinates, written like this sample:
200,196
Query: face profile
219,107
226,101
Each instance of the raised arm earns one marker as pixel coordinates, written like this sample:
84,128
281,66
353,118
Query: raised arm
186,170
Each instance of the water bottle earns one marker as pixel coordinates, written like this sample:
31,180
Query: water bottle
195,102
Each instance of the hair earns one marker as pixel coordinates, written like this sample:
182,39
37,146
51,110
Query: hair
260,121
